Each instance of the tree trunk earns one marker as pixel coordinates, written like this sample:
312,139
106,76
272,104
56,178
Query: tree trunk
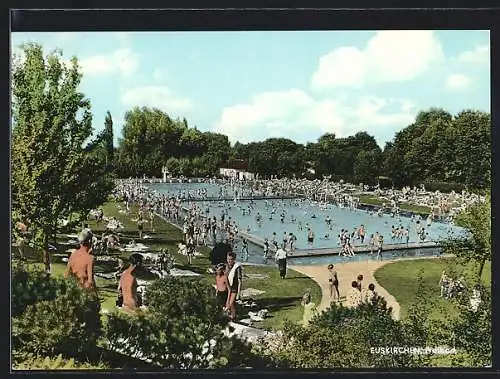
481,267
46,254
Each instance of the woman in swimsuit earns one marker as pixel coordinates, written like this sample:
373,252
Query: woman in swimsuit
334,283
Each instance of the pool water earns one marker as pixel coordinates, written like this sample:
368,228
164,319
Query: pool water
298,216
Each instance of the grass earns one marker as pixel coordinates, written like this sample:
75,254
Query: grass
374,200
282,297
400,280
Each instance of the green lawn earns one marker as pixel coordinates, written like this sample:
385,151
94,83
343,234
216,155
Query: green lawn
282,297
374,200
400,280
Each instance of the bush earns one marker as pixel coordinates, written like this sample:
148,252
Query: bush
176,298
180,329
32,362
343,337
30,286
69,324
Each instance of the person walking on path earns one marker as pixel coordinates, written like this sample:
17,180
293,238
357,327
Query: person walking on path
280,257
81,262
333,283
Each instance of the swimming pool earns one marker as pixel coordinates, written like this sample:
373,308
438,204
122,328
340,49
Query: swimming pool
299,215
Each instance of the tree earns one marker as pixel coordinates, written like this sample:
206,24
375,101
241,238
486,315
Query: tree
476,246
108,127
50,163
367,166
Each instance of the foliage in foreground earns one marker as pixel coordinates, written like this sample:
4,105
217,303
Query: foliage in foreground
32,362
341,338
350,337
57,316
181,328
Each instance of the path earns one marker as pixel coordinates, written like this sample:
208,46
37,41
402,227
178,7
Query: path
347,272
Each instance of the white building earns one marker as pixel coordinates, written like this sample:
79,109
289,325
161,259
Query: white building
237,169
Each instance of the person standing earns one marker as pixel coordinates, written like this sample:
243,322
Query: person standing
372,244
266,250
362,233
280,257
81,262
234,279
128,286
333,281
310,309
359,282
244,249
380,243
310,236
221,286
293,240
140,225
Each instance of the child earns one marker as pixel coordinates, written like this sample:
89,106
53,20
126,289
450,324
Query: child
221,289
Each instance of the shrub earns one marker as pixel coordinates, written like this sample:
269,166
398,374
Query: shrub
176,298
180,329
32,362
30,285
343,337
69,324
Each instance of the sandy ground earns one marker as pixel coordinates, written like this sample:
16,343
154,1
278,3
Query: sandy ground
347,272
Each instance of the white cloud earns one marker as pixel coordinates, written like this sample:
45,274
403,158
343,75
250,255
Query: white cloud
159,75
390,56
480,55
155,96
457,81
122,60
296,115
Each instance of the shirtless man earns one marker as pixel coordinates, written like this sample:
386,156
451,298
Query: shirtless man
81,261
128,286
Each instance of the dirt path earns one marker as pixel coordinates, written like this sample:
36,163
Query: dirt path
347,272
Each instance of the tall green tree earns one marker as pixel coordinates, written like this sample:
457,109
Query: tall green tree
476,247
108,127
53,173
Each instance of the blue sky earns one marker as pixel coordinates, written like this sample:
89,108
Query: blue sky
294,84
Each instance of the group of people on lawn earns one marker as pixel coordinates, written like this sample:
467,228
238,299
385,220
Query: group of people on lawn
81,266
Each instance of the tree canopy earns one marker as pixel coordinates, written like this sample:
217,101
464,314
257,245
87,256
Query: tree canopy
56,170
